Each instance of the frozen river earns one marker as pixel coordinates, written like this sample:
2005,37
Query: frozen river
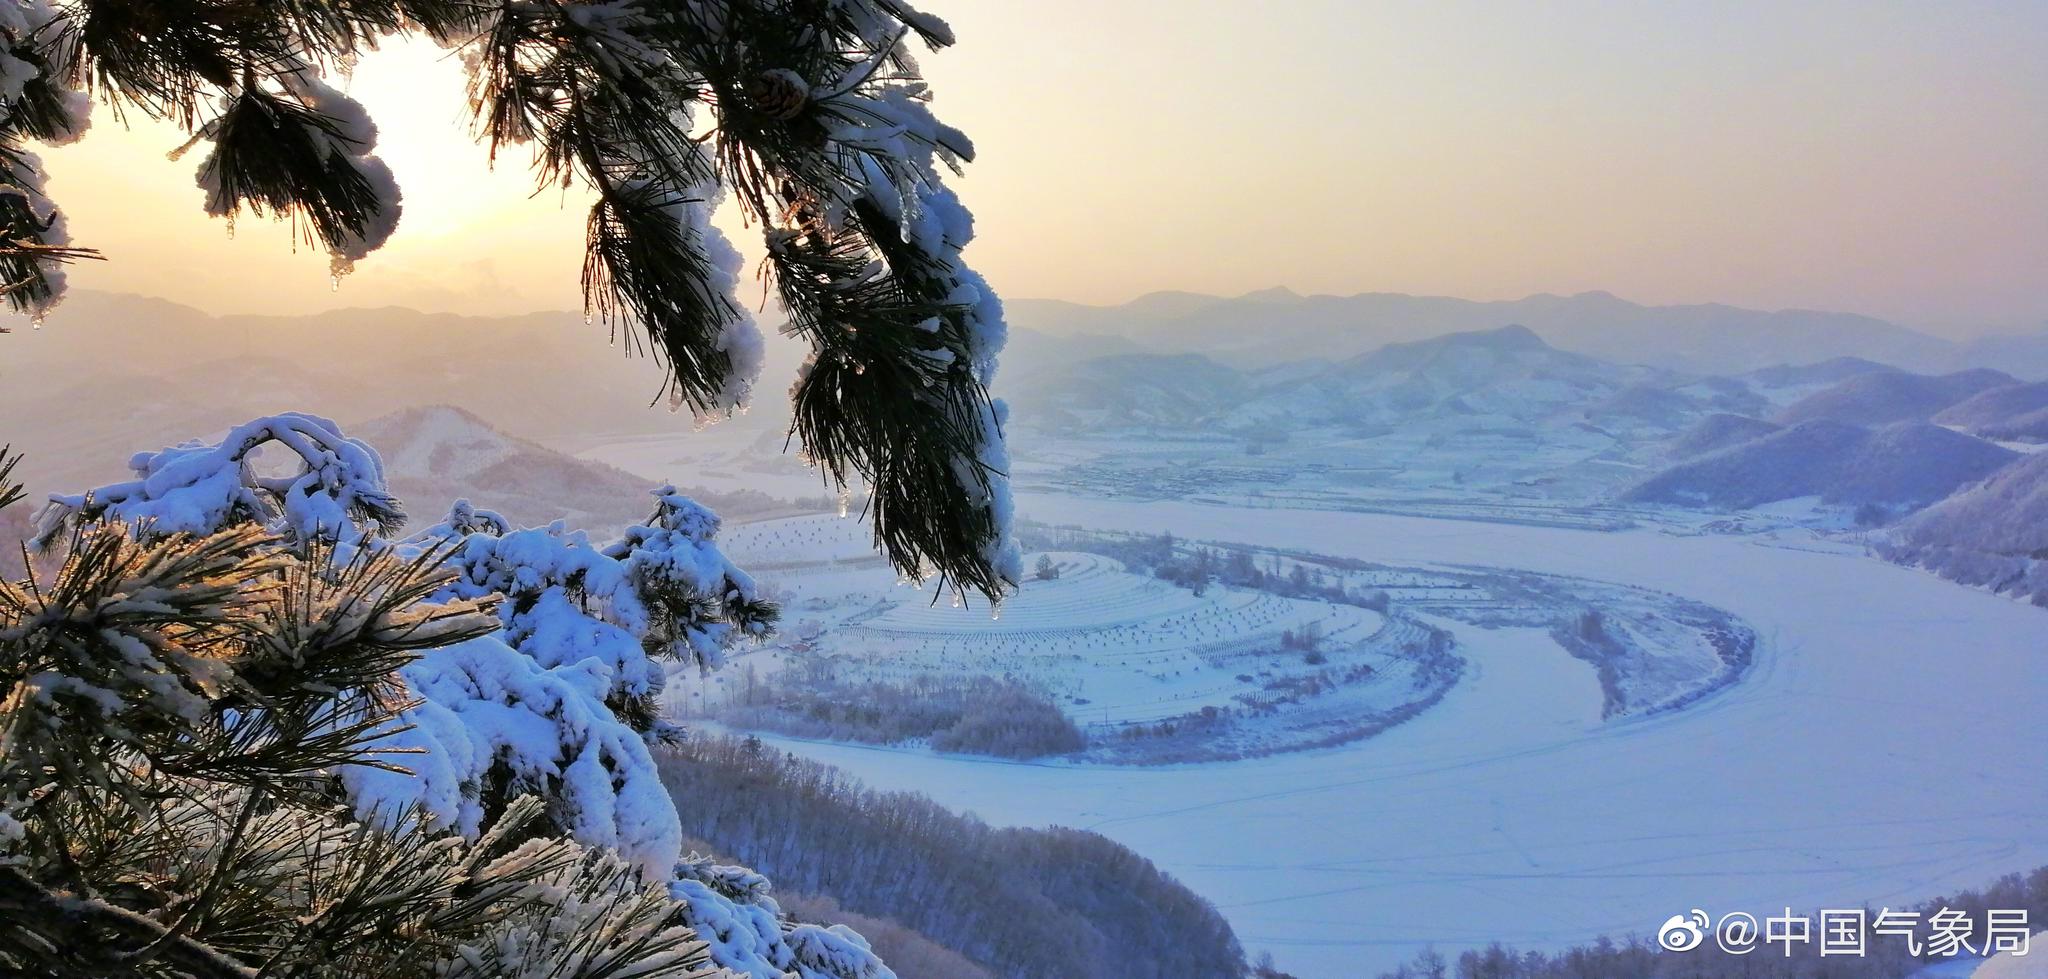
1883,749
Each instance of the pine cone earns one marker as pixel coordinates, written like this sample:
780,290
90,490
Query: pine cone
780,93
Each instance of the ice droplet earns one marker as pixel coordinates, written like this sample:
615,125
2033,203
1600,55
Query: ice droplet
36,322
959,601
334,283
845,498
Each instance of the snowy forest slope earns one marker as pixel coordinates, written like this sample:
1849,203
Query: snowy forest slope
1994,534
1908,464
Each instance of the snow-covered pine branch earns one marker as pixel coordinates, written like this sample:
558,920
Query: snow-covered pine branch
548,705
809,115
41,99
336,491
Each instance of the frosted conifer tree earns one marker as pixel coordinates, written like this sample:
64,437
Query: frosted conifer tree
806,114
252,727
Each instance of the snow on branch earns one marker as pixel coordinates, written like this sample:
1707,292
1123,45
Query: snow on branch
336,492
557,703
40,99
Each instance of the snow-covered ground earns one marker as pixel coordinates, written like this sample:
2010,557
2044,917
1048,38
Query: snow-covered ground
1878,752
1120,652
1157,673
1170,642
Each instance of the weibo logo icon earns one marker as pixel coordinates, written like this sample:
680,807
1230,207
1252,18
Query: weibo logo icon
1683,932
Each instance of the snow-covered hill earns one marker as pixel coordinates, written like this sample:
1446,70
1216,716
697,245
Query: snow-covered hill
1815,375
435,454
1993,534
2015,412
1719,431
1499,413
1508,372
75,430
1881,397
2030,427
1505,375
1908,464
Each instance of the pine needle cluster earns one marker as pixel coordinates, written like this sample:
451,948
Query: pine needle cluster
172,707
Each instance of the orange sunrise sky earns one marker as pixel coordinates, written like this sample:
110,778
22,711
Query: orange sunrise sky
1775,155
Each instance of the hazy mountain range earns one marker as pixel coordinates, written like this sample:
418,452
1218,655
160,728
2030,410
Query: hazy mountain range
1275,326
113,374
1485,408
1507,373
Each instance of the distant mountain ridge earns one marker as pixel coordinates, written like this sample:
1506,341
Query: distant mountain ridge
436,454
1881,397
2014,412
1879,436
1507,373
1909,464
1502,410
1269,326
1492,404
1832,371
360,363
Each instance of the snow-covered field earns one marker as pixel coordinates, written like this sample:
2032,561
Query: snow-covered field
1878,751
1158,673
1062,632
1119,652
